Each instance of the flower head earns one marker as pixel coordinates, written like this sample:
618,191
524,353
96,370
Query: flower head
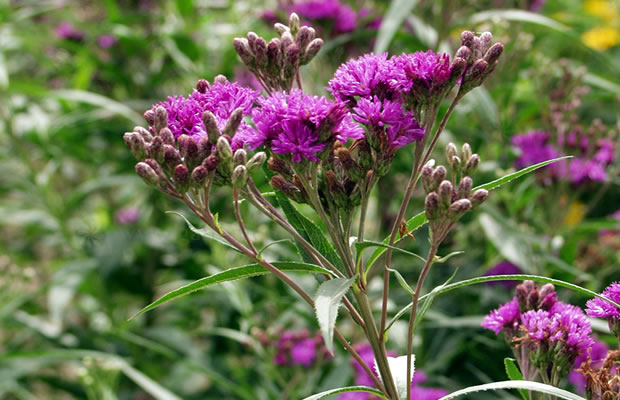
66,30
599,308
340,15
300,125
505,317
581,170
367,76
534,147
107,41
424,73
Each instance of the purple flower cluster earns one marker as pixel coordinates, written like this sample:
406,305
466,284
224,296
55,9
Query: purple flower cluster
340,16
221,98
300,125
66,30
299,348
128,215
424,73
599,308
363,379
507,316
587,165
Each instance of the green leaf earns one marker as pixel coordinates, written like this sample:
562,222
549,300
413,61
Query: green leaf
428,300
394,17
506,237
514,374
601,82
332,392
232,274
205,232
527,385
447,257
361,246
100,101
517,277
420,219
309,231
149,385
326,303
402,281
519,16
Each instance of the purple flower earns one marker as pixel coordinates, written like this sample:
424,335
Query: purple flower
367,76
424,73
340,15
107,41
423,393
222,98
597,354
66,30
534,148
304,352
400,127
599,308
126,216
505,317
373,23
503,268
606,153
300,125
581,171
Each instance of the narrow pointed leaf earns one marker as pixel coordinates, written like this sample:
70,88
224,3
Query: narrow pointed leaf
349,389
394,17
326,303
232,274
517,277
527,385
520,16
514,374
420,219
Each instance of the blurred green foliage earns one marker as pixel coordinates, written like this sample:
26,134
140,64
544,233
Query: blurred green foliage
73,270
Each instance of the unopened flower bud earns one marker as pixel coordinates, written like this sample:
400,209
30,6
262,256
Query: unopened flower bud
290,190
156,149
146,135
451,151
220,79
210,162
199,175
427,181
431,206
445,193
224,151
239,176
476,73
252,36
166,136
242,47
233,122
136,145
204,147
485,40
336,190
458,208
149,116
546,289
463,52
467,39
192,155
181,178
472,164
279,166
260,51
305,36
291,60
182,143
312,50
479,197
274,54
492,55
439,174
161,119
147,174
202,86
280,28
293,23
455,163
465,187
172,158
208,119
466,151
256,162
522,294
286,41
532,299
156,167
240,157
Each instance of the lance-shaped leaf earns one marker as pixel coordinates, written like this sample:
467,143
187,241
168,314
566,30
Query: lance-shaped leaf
514,374
527,385
331,392
326,303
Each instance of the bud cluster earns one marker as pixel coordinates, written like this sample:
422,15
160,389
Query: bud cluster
446,201
276,64
176,165
481,58
529,297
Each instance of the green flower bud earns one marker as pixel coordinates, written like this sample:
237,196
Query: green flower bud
213,132
224,151
431,206
465,187
256,162
240,157
147,174
161,119
233,122
293,23
458,208
479,197
239,176
166,136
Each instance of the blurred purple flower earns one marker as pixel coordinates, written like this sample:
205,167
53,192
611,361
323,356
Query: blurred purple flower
534,147
107,41
606,153
581,170
128,215
503,268
66,30
340,15
303,352
299,348
597,354
374,23
505,317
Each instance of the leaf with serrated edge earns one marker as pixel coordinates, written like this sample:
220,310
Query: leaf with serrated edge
349,389
232,274
527,385
420,219
326,303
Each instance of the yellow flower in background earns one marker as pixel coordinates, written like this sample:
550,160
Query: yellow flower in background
576,212
606,10
601,38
